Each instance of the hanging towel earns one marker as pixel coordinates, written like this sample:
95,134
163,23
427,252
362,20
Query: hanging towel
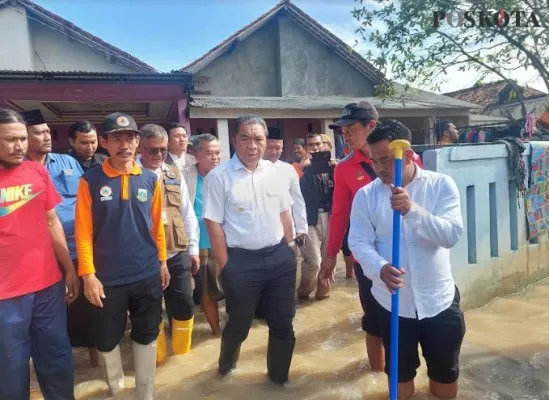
517,168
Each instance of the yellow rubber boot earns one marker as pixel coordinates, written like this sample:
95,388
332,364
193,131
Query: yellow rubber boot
161,346
182,333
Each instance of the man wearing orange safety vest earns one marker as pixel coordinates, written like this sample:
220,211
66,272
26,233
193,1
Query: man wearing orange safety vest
121,249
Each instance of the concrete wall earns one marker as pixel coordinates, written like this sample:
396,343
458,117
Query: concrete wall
15,51
308,68
53,51
29,45
493,257
250,70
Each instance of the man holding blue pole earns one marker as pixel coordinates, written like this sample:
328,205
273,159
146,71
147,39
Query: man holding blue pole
431,224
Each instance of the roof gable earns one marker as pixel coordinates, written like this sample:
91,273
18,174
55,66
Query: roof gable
304,21
55,22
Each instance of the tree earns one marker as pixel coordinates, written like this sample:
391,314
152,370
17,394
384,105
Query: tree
477,35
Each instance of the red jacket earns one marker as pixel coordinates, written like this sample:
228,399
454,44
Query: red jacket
349,177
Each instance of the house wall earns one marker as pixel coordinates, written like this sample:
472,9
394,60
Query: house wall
250,70
53,51
29,45
493,257
308,68
15,51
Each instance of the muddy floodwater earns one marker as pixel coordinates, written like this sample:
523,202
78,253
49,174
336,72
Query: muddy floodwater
505,356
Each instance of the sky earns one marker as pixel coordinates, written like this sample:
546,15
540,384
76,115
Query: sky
169,34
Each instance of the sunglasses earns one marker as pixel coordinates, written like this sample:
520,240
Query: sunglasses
156,150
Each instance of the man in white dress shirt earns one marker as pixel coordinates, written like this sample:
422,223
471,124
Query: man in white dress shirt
431,225
178,143
273,151
182,234
247,214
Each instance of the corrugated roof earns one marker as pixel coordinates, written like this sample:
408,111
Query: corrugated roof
322,103
54,21
306,22
488,94
68,76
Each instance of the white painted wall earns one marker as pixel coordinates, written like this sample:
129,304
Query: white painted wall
15,51
224,138
477,166
53,51
30,45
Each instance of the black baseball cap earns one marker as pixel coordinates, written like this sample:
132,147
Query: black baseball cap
119,122
354,112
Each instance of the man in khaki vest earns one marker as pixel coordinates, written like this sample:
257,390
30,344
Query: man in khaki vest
182,233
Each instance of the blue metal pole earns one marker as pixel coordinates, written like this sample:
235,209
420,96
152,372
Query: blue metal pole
393,370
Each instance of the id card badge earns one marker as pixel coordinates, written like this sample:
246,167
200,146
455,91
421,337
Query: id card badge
164,217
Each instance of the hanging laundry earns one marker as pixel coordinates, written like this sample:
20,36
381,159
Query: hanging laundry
530,124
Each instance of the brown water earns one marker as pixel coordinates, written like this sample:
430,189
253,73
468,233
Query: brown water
505,356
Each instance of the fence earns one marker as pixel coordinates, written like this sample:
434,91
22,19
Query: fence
493,257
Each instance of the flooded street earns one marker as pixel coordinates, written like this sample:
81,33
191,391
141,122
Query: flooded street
505,356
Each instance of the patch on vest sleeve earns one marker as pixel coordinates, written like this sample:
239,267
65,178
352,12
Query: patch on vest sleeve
142,195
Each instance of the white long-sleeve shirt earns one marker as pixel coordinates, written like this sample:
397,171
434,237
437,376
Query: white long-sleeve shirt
428,231
187,212
299,213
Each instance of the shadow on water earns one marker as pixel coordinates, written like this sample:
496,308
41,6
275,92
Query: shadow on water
505,356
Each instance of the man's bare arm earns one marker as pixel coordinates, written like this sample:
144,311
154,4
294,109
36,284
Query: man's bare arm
59,242
62,254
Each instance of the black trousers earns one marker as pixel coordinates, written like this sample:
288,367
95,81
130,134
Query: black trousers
78,318
143,299
345,247
267,275
369,322
179,295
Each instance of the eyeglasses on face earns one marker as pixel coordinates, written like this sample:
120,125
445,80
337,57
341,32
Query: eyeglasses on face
156,150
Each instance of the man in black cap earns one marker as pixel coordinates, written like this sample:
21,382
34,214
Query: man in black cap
121,248
352,173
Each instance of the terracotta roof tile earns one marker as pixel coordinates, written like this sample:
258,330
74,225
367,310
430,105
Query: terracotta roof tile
488,94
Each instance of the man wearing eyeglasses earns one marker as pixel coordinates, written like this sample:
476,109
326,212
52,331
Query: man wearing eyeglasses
182,235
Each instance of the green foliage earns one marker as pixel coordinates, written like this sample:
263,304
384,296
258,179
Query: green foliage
412,50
